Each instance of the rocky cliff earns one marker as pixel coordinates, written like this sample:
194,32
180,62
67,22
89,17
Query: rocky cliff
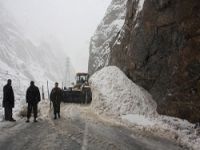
104,37
158,48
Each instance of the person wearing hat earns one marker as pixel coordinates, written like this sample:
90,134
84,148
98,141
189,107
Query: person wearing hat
32,98
56,97
8,100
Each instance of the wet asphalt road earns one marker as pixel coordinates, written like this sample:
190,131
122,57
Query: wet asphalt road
76,134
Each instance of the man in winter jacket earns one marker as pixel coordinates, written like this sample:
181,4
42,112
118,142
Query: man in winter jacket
8,100
56,97
32,98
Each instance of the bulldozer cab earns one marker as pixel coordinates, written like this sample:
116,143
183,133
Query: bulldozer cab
82,78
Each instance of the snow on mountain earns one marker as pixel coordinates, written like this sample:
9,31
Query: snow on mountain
113,93
19,54
105,34
23,61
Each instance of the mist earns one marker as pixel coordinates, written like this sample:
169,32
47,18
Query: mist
71,23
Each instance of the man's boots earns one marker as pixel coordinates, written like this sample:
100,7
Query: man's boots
12,120
35,120
55,117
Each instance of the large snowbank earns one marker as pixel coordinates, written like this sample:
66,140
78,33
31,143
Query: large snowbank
115,94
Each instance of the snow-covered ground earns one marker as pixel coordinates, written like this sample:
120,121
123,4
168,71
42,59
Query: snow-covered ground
22,60
20,85
20,112
115,96
119,101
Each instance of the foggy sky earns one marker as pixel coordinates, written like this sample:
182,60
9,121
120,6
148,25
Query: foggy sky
72,22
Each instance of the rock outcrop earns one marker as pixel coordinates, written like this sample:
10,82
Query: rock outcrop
104,37
158,48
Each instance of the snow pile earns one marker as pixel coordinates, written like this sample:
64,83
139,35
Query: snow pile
178,130
184,132
114,94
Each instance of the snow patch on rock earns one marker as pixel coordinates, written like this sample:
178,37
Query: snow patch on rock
115,94
107,31
140,4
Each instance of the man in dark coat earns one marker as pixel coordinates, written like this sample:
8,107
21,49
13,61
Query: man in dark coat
8,100
32,98
56,97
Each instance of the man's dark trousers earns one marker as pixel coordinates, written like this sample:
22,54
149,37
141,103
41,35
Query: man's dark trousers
32,107
8,113
56,107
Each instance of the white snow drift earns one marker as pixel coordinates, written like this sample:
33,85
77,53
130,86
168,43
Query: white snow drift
115,94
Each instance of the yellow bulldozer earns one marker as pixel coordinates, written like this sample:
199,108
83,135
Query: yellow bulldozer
80,92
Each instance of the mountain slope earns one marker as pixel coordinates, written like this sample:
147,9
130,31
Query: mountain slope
158,48
23,61
21,55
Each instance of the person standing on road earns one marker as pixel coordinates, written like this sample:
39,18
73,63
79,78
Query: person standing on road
56,97
32,98
8,100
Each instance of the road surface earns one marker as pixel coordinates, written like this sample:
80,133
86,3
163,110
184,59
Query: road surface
76,133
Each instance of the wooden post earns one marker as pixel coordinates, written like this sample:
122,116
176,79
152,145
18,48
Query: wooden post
48,93
43,93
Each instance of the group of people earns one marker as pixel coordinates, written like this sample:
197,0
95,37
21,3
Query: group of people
32,98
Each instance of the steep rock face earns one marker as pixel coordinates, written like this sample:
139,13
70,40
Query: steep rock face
159,49
104,37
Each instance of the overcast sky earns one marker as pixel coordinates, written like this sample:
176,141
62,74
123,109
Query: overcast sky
72,22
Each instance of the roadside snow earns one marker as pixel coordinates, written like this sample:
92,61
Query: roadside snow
115,94
138,119
117,97
181,131
44,109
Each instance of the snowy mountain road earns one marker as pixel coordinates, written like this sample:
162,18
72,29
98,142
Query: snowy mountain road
77,133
